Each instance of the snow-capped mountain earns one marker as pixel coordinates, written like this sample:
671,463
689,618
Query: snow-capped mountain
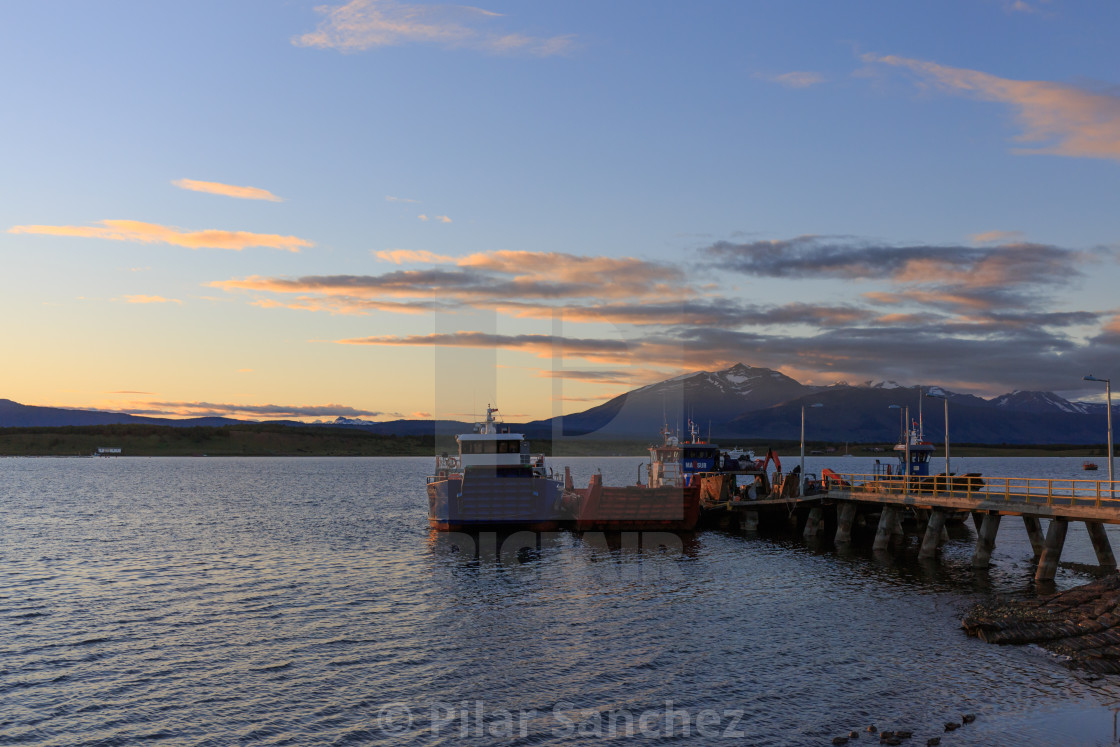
706,397
1020,401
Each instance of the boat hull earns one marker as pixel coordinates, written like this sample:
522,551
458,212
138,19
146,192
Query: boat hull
488,502
634,508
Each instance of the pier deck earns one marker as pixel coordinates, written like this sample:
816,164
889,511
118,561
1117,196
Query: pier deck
934,500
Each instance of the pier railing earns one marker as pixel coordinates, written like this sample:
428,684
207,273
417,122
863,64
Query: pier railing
1044,491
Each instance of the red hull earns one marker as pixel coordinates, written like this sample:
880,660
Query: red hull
446,526
635,508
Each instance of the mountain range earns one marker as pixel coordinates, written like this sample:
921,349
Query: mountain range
742,403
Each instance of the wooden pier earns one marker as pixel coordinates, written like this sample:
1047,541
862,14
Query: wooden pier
935,501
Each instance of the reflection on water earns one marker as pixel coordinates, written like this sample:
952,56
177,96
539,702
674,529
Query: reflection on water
305,601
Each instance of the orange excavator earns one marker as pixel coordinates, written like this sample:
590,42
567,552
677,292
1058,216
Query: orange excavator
832,479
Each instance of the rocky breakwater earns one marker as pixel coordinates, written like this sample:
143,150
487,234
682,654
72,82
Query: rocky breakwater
1082,624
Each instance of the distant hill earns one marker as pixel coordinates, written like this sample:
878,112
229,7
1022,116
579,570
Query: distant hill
741,402
15,415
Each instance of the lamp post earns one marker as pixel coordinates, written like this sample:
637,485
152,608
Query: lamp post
946,399
801,481
1108,400
905,440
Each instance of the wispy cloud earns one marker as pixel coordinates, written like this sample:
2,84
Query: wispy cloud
422,256
152,233
364,24
796,79
485,279
151,299
997,237
389,198
227,190
1021,6
203,409
624,378
1058,119
841,257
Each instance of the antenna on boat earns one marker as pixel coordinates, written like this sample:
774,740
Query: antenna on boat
921,429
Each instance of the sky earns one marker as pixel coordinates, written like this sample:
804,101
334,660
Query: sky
381,209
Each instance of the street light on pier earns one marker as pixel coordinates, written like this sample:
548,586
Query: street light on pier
946,398
802,476
905,440
1108,400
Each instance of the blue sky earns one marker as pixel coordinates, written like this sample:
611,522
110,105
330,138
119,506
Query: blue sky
843,191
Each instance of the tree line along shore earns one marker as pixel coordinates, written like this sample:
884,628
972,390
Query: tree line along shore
270,439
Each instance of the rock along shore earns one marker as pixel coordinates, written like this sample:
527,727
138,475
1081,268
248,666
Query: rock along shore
1082,623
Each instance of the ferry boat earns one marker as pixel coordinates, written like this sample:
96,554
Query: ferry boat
494,482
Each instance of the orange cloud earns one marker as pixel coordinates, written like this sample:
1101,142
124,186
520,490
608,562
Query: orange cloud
400,256
1062,119
152,233
227,190
151,299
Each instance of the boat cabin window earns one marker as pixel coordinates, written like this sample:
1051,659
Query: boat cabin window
504,446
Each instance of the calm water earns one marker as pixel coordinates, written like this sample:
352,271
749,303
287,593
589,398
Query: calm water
304,601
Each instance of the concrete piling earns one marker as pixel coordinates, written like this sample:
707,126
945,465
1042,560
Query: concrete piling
1101,546
750,521
986,540
814,524
887,520
845,517
1034,532
932,538
1052,550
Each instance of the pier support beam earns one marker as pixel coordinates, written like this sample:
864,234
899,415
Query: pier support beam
977,520
986,540
888,521
814,524
898,536
1101,546
1034,531
932,538
845,517
750,521
1052,551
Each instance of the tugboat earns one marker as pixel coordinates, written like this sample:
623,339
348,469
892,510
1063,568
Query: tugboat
678,477
493,483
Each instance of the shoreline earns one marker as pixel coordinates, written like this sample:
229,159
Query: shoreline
286,440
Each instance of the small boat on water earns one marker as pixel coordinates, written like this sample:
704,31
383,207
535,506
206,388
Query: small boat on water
1089,466
494,482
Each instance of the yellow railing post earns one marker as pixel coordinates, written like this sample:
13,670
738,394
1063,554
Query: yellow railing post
1098,493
